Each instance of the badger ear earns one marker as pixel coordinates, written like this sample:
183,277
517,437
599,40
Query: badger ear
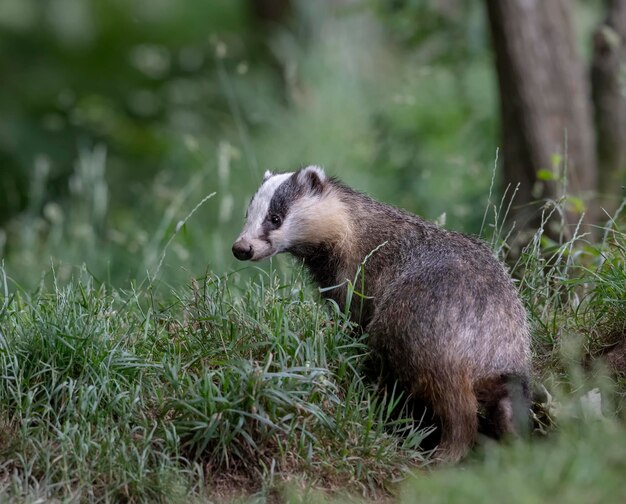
313,178
267,175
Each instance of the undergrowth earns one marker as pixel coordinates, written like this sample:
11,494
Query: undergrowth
236,387
112,395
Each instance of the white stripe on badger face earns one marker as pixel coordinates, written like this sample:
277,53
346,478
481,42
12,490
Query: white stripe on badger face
257,211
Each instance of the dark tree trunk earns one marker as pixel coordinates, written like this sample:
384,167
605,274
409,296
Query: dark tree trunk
271,11
607,82
545,106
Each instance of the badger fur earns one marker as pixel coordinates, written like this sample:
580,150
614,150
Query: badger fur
440,311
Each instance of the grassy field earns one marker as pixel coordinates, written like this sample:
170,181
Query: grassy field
247,386
140,363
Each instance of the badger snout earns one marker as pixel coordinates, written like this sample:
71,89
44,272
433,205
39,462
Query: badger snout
243,250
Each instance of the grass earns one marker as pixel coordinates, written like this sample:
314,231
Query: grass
584,463
110,395
246,386
251,387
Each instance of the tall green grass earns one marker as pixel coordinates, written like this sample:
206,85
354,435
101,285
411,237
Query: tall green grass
246,383
238,385
109,395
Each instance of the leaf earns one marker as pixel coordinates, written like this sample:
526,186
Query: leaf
576,204
556,160
545,175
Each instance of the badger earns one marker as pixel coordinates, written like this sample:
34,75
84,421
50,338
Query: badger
440,310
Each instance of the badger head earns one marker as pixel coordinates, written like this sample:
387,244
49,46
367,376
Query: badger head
288,211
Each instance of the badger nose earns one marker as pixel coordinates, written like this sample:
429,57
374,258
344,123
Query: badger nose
242,250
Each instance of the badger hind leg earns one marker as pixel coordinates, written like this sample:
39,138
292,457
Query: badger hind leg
453,401
504,405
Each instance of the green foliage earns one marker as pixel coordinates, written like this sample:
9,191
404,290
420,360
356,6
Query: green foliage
604,312
584,463
123,73
108,394
74,400
129,149
134,399
170,109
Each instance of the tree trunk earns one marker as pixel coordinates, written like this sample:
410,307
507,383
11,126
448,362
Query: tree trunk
270,11
607,83
545,108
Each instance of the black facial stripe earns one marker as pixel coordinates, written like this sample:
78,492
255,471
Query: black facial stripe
284,196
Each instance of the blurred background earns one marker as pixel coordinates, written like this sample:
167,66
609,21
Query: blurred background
118,117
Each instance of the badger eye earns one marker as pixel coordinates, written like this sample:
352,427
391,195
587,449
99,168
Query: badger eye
275,220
